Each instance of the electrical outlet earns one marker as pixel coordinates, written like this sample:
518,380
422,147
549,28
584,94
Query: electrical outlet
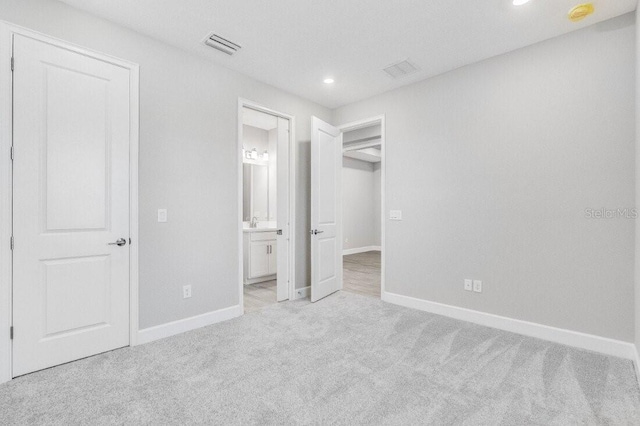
477,286
395,214
468,285
186,291
162,215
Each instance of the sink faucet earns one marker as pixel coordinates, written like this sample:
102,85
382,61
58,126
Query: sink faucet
254,222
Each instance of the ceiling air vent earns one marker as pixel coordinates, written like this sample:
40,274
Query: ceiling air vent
222,44
400,69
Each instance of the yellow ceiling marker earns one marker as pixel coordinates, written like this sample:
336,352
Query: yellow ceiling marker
581,11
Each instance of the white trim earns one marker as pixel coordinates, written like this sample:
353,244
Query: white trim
302,293
576,339
6,208
134,153
187,324
357,250
252,281
7,30
354,125
292,195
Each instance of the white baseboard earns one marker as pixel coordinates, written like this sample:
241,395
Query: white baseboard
636,363
176,327
303,292
251,281
361,250
576,339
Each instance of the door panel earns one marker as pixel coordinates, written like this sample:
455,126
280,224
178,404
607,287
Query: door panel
281,248
327,152
71,305
76,148
326,256
71,198
326,208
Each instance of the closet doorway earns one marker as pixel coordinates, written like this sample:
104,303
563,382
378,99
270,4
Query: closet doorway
363,207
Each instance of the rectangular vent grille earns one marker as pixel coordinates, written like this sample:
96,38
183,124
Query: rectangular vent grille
401,69
222,44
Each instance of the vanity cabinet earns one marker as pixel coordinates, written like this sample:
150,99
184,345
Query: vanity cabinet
260,256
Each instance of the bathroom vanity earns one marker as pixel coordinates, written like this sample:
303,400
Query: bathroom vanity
260,256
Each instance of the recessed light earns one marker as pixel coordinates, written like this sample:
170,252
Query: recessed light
581,11
328,81
520,2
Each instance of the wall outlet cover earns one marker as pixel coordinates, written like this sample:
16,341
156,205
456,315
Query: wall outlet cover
162,215
186,291
477,286
395,214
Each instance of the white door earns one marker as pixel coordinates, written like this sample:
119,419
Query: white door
282,211
326,209
273,258
71,199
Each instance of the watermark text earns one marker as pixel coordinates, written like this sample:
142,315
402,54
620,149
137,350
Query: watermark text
623,213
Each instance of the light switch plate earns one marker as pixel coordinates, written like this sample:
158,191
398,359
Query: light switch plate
162,215
468,285
395,215
477,286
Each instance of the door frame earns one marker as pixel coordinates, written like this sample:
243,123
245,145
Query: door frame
359,124
242,103
7,31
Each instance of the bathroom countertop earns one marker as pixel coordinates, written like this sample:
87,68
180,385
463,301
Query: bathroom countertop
259,229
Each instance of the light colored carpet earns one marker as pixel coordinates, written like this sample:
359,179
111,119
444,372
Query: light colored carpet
347,359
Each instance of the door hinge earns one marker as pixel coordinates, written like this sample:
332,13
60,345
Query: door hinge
12,153
11,332
129,240
12,242
12,64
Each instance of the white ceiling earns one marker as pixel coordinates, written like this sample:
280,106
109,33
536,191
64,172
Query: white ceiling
295,44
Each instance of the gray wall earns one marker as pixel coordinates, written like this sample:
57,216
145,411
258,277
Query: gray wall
493,166
360,204
188,140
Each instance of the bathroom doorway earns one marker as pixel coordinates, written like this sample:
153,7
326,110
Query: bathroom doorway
265,205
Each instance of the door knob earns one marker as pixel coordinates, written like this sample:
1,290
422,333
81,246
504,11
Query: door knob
316,232
120,242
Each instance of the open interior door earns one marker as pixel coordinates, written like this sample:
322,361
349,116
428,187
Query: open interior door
326,209
282,212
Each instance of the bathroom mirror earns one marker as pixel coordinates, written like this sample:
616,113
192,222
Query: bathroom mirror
255,192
